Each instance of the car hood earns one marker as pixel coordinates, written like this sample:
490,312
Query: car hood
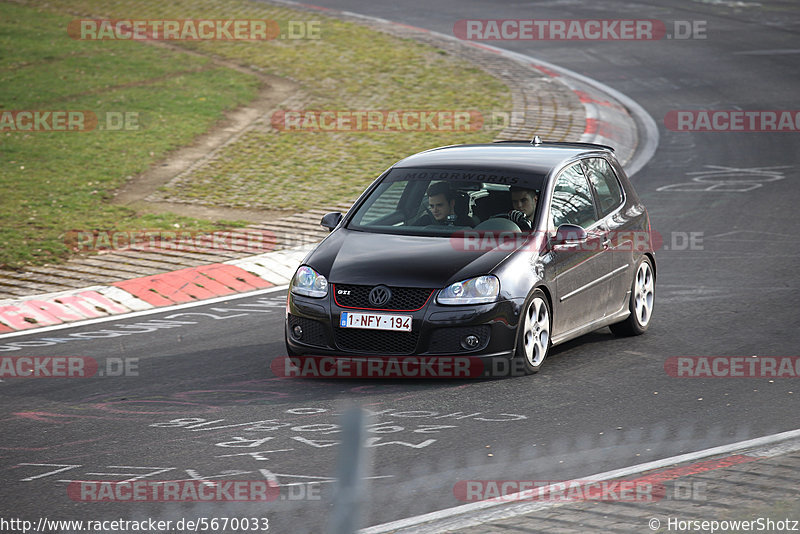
361,258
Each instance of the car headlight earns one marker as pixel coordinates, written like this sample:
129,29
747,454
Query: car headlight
473,291
309,283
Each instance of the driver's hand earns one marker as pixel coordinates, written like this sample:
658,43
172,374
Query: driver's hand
519,218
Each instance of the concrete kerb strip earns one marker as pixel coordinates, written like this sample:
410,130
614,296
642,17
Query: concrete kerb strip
87,305
612,119
143,313
482,512
277,267
609,115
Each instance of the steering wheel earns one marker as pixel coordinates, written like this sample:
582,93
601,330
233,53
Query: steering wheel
517,217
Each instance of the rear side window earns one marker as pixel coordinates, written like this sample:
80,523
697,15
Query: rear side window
572,199
605,183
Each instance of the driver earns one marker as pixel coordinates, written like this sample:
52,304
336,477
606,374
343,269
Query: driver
523,202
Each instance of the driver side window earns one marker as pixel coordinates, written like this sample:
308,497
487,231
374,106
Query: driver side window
385,205
572,199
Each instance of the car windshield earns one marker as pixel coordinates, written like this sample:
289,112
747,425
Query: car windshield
440,202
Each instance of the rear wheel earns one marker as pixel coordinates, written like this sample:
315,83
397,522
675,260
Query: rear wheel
533,342
643,297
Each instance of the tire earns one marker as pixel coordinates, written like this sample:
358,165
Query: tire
643,298
534,339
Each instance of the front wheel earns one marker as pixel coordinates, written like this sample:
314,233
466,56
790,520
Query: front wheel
643,297
533,342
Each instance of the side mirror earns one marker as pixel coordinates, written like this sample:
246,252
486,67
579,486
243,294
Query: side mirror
331,220
569,234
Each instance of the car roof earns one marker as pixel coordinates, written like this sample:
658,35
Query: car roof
509,155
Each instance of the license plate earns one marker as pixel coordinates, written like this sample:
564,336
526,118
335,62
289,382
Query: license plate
376,321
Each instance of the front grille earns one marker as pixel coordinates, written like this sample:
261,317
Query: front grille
376,341
313,331
403,298
448,340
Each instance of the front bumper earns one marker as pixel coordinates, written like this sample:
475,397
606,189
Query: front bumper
436,330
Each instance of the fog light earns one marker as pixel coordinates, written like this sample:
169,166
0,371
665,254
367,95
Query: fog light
470,342
297,331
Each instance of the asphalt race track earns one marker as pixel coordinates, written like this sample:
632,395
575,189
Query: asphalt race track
197,400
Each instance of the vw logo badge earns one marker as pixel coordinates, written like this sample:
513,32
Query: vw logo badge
379,295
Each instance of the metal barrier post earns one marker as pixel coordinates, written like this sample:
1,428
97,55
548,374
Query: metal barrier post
350,474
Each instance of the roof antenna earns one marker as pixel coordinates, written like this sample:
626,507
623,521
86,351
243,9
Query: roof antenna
536,140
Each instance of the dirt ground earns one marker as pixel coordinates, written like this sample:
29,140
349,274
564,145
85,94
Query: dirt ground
134,193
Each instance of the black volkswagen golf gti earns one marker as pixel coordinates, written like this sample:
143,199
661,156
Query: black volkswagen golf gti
489,251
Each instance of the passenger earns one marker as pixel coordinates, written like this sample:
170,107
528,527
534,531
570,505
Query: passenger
442,207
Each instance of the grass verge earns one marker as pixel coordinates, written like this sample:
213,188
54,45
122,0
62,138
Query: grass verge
56,181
